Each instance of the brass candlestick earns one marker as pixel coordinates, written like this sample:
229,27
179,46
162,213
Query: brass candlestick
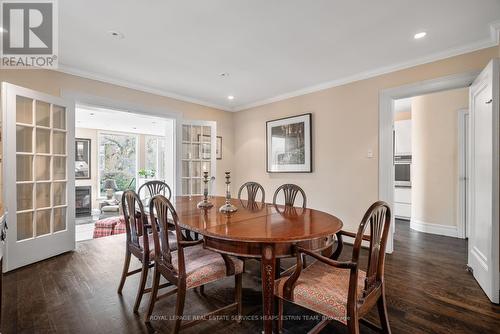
228,207
205,204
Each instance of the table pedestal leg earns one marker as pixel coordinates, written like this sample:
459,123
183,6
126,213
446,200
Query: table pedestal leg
268,269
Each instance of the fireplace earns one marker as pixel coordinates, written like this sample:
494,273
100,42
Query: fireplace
83,201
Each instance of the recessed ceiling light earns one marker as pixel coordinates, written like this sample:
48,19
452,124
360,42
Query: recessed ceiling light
91,114
420,35
230,97
134,128
116,34
224,75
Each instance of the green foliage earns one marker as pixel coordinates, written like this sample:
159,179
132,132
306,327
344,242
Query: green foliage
145,173
122,181
118,153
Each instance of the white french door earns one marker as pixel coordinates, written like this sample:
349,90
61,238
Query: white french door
484,198
197,149
38,175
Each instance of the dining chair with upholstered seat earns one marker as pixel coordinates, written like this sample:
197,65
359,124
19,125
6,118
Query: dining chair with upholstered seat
290,192
252,191
340,290
188,267
139,242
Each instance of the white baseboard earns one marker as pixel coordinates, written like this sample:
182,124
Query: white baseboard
446,230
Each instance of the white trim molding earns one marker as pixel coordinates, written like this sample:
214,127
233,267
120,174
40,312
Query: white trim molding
463,160
386,126
446,230
491,41
141,88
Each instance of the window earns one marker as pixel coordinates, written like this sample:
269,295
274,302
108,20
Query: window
117,160
155,156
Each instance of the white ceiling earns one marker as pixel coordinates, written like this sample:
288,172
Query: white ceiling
119,121
271,49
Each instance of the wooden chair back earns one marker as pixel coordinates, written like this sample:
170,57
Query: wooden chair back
163,209
290,192
156,187
135,218
378,219
252,191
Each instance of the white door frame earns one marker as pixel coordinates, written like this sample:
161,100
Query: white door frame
120,106
463,160
213,162
386,127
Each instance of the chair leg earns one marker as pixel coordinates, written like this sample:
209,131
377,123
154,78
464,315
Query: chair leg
304,261
142,284
202,289
277,272
382,312
238,287
154,294
179,307
280,315
126,265
352,323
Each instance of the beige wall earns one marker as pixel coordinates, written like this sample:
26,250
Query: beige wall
345,126
435,156
55,83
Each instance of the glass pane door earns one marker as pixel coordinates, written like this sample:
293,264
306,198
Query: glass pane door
36,171
197,156
41,179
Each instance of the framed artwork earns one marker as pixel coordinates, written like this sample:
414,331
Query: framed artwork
82,158
289,145
206,148
218,148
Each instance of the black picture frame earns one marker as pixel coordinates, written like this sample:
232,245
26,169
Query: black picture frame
272,163
218,148
218,145
83,160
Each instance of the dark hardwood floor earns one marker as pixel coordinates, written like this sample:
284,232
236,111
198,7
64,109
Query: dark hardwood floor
428,291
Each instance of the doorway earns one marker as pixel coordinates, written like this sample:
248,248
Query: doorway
483,210
116,150
426,161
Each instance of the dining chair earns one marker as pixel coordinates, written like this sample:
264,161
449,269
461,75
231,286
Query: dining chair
290,192
154,188
252,191
188,267
138,243
340,290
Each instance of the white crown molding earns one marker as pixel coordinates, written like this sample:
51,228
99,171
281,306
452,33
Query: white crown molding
123,83
493,40
446,230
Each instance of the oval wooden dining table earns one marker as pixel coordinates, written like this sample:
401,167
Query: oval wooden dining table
264,231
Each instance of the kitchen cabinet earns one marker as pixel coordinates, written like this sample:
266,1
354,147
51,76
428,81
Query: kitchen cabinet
402,202
402,137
